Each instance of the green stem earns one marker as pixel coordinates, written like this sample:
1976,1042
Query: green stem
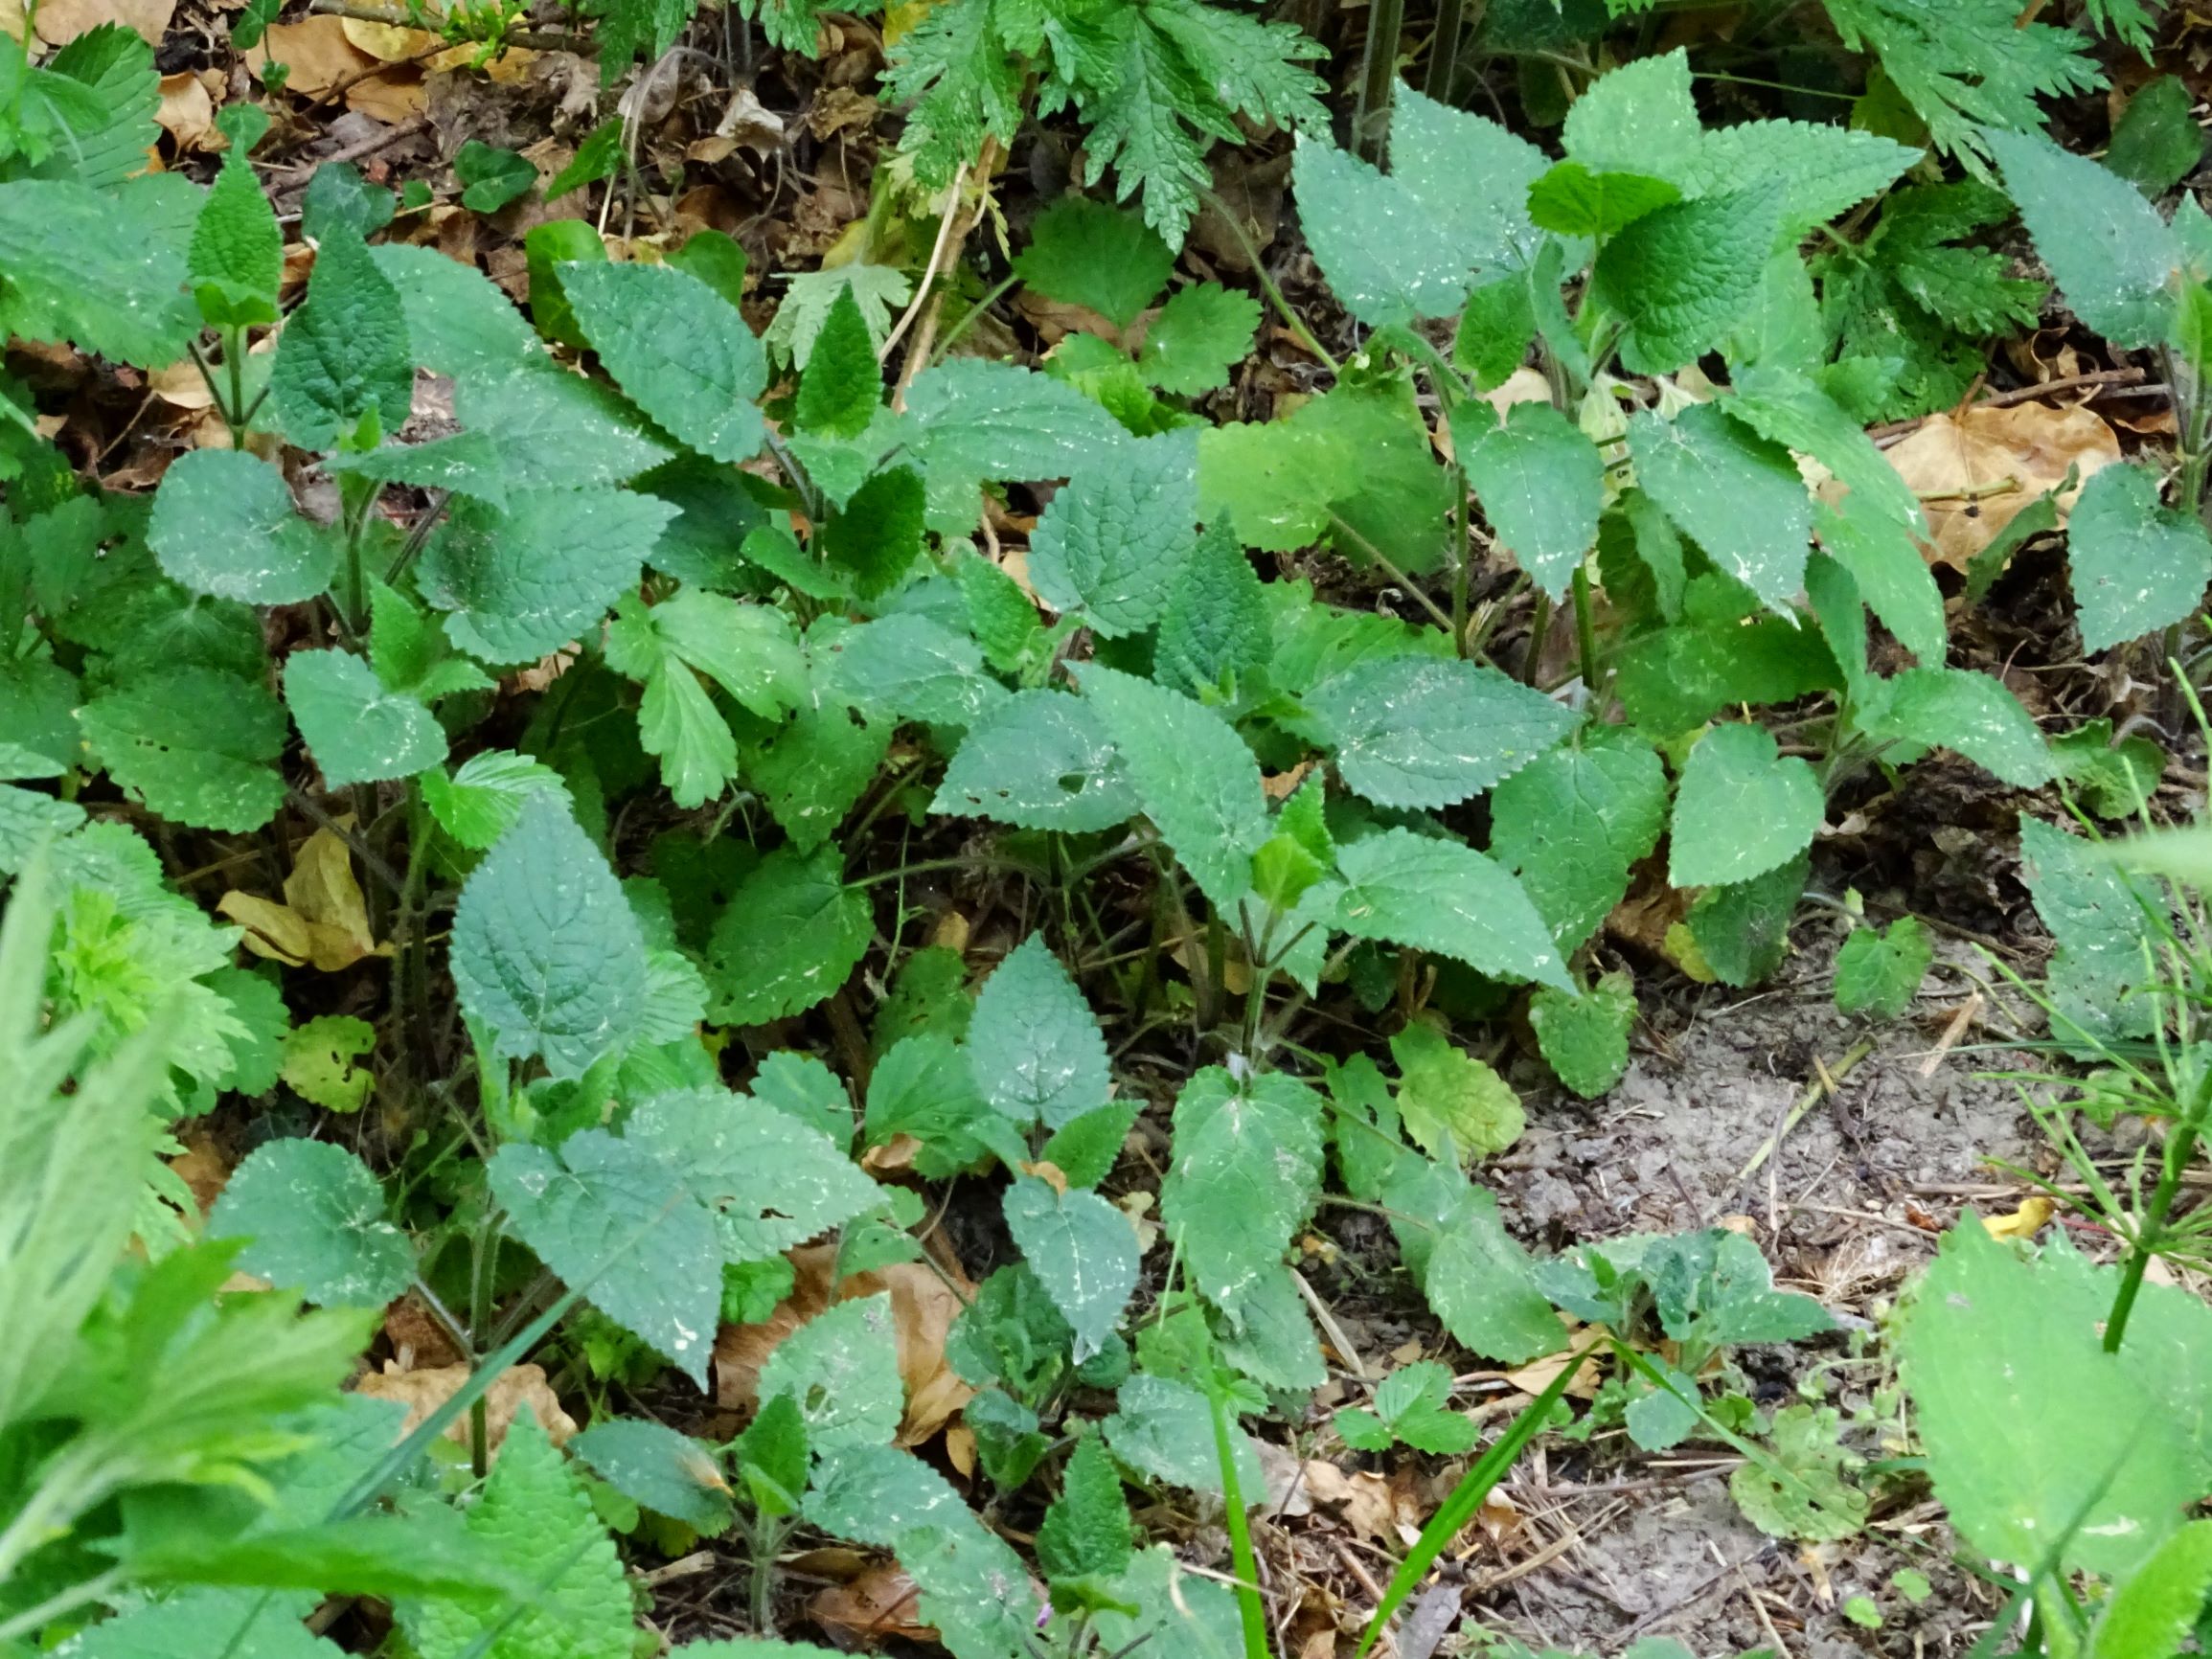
1539,633
1586,632
1241,1554
767,1539
968,318
1382,562
2181,1146
1444,49
1291,319
482,1263
1378,80
234,366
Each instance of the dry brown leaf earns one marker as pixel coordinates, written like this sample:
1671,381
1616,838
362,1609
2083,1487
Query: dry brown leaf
187,113
839,108
923,1309
424,1392
202,1167
324,920
1521,386
317,49
879,1602
61,21
389,42
13,20
1138,1207
181,386
397,95
510,68
1977,470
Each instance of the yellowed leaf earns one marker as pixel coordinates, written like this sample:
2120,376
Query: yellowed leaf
61,21
324,920
424,1392
181,386
2025,1223
510,68
13,20
1977,470
389,42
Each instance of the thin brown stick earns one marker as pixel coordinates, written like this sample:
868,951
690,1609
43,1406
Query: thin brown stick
925,335
354,152
2095,378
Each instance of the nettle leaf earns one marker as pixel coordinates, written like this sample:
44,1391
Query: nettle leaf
1196,778
1971,712
458,322
1202,334
101,268
520,584
1681,277
1452,1105
1084,253
975,419
1786,407
546,953
491,177
223,524
841,1370
771,1180
481,799
1585,1039
555,430
197,746
842,386
1439,896
1639,118
1742,809
1216,628
1478,1280
2138,566
1432,731
1878,969
911,667
1041,761
1891,576
237,258
1246,1169
607,1214
878,535
1086,1530
1387,260
923,1086
343,354
659,1470
678,348
537,1520
1542,484
747,650
2106,246
1083,1252
1164,1429
1574,820
315,1217
1113,541
1737,495
790,934
1033,1043
358,732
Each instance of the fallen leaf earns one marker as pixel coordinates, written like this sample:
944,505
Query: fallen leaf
324,920
881,1603
397,95
1533,1378
389,42
61,21
187,113
424,1392
510,68
315,49
2025,1223
1287,1497
1977,470
1138,1207
202,1167
13,20
1521,386
923,1309
181,386
839,108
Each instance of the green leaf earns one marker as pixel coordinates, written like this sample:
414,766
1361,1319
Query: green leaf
1971,712
1787,408
1432,731
318,1061
658,1468
358,732
2040,1443
841,1370
1800,1490
2112,255
2156,142
458,322
878,535
1639,118
555,430
315,1217
790,934
873,1492
2153,1612
223,524
1112,542
1742,809
911,667
1414,1403
1195,777
974,418
1082,1251
612,1219
1585,1039
1086,1530
1141,123
1574,201
1085,1148
1891,576
1084,253
1542,484
546,952
103,269
2111,780
1878,969
1439,896
344,355
481,799
1496,330
236,258
1164,1429
1214,631
1202,332
491,178
1245,1172
27,819
811,296
842,387
812,770
198,748
1039,760
1573,821
1681,277
747,650
108,112
339,203
925,1088
599,156
2137,567
520,584
534,1519
1479,1281
1035,1046
258,1624
1822,170
1737,495
1387,260
2103,932
773,1455
681,351
1457,1108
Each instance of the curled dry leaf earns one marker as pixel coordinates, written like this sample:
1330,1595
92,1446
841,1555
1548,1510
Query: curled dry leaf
187,113
389,42
424,1392
61,21
324,920
317,49
397,95
878,1604
1975,472
923,1308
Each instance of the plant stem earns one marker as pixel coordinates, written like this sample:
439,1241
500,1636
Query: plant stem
484,1256
1444,49
767,1539
1291,319
1241,1554
2181,1146
1539,633
1378,80
1586,632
